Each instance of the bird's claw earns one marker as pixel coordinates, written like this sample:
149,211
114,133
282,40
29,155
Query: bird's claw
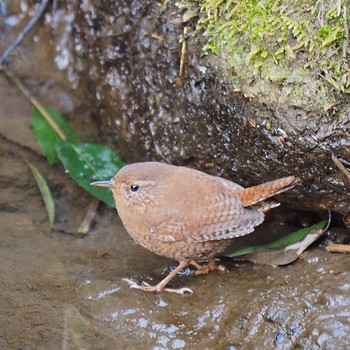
179,290
133,284
222,268
148,288
204,269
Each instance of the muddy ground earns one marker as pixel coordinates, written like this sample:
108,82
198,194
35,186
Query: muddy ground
62,291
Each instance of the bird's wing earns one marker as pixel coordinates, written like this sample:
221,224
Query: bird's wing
219,216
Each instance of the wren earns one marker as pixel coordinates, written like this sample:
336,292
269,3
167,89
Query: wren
185,214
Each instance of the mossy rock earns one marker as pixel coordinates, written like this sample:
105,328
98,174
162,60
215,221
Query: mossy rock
293,53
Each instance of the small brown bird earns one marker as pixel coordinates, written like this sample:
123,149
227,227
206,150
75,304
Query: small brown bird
185,214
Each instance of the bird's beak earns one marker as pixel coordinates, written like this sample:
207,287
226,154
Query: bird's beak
108,183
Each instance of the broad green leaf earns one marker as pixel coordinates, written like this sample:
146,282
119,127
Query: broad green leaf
45,193
47,136
86,163
285,241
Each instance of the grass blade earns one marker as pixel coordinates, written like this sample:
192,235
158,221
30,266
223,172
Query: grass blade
45,193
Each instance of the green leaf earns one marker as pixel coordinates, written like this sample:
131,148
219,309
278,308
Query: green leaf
45,193
47,137
87,163
296,236
285,241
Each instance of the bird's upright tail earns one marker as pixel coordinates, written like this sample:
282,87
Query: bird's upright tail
256,194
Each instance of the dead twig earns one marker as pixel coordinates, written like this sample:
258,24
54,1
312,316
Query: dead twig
178,79
85,226
341,167
22,34
338,248
155,36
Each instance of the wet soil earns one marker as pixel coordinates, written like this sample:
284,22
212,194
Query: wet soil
61,291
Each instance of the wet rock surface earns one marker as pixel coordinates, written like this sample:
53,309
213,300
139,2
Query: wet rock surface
130,54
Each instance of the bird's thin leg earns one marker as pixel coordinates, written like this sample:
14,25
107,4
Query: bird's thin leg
204,269
161,285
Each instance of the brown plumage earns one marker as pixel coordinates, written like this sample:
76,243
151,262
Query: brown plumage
184,214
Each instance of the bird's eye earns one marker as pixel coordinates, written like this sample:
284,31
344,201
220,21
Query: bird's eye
134,187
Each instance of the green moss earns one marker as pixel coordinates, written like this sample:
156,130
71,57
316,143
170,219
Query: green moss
303,43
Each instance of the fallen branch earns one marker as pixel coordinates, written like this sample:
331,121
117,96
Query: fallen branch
338,248
22,34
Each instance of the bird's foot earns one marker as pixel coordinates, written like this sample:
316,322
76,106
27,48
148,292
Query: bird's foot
204,269
158,288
